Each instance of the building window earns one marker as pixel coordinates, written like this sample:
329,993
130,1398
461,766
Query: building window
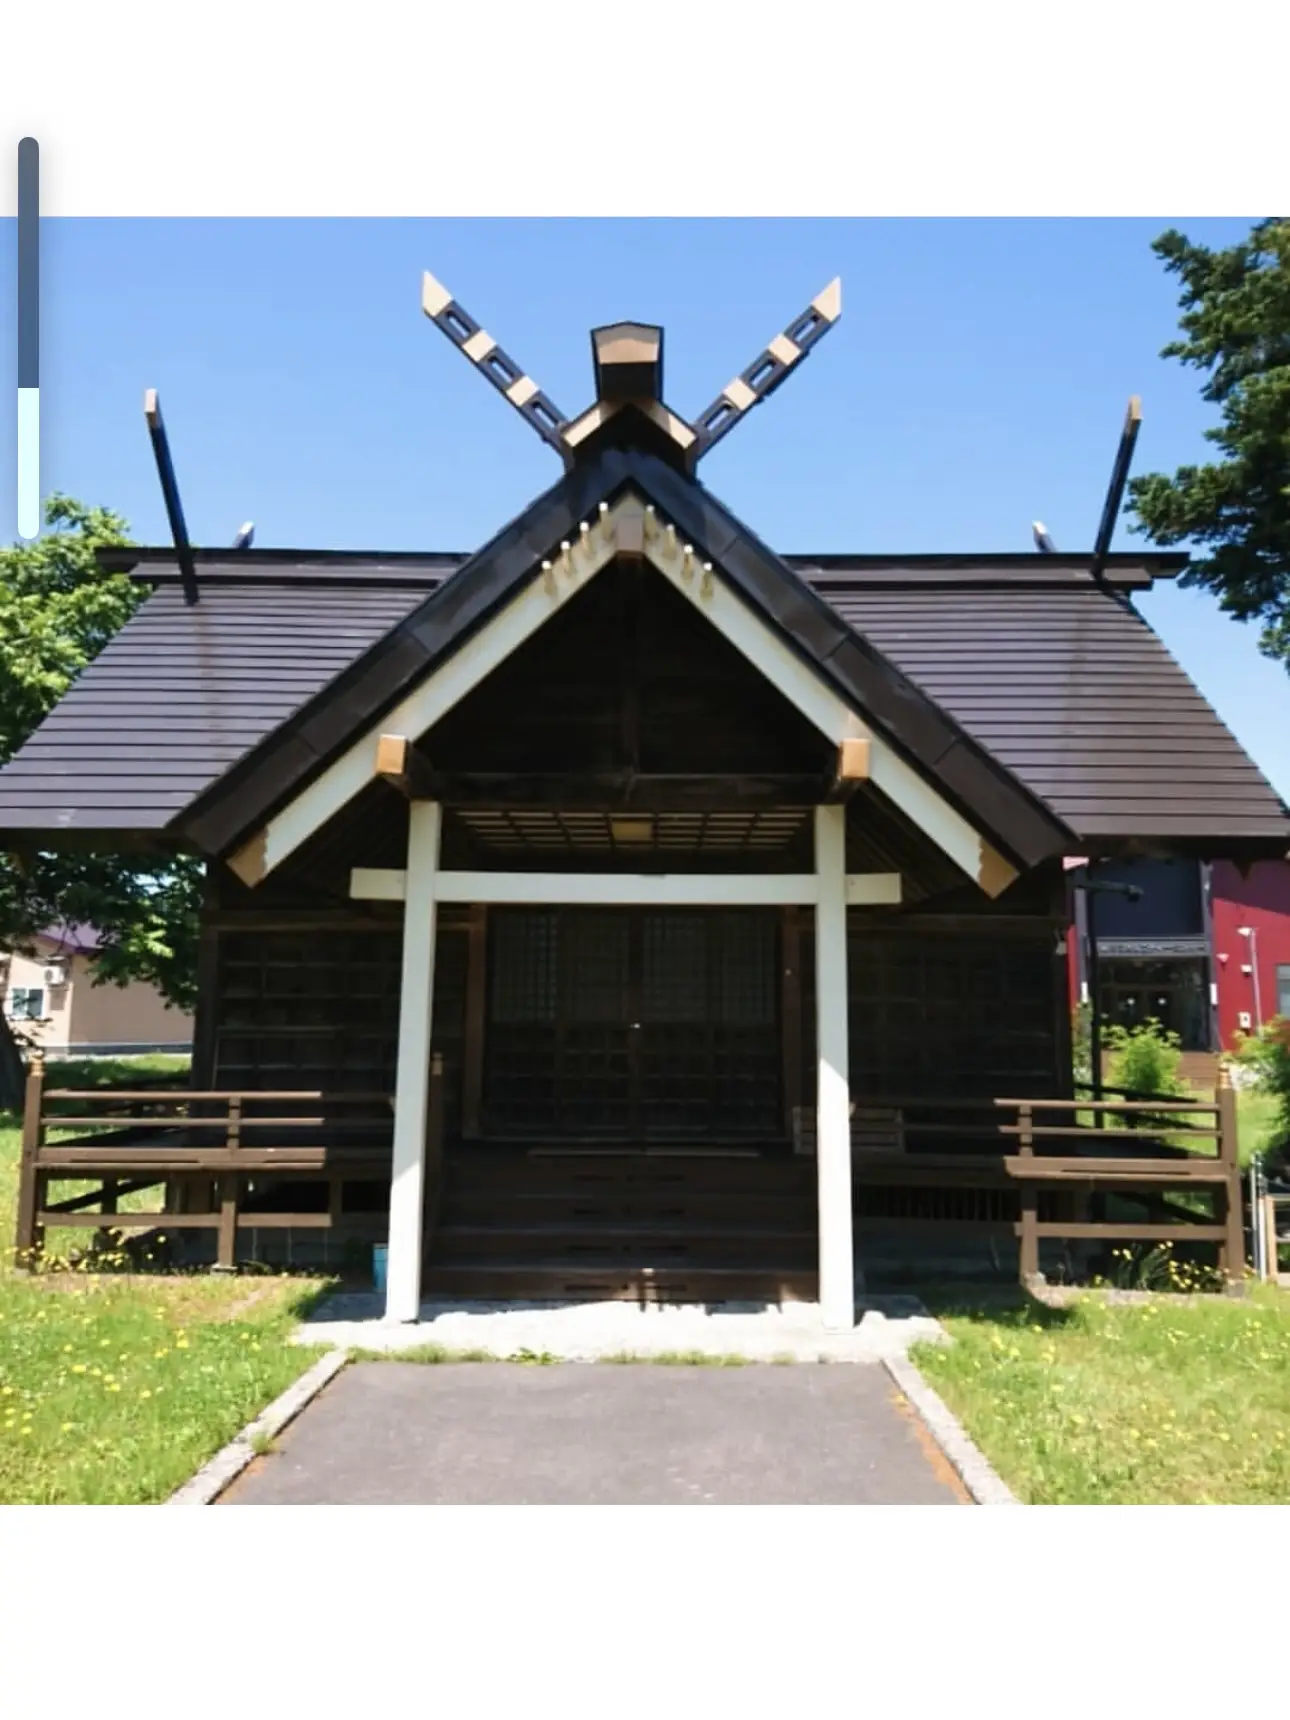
27,1003
1283,992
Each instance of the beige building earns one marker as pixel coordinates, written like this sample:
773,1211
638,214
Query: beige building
51,1000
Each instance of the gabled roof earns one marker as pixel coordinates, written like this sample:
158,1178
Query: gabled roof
1055,679
241,800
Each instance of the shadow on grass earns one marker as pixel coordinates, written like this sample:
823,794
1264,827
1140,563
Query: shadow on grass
1006,1308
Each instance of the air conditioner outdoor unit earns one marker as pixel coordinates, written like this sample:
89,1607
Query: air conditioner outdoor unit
56,976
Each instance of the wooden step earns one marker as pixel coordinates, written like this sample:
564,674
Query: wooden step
561,1280
632,1245
635,1170
590,1207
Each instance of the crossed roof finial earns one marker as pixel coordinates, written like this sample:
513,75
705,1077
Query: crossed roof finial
628,359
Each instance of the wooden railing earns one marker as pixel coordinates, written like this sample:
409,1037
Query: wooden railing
202,1148
1031,1167
1041,1170
1197,1151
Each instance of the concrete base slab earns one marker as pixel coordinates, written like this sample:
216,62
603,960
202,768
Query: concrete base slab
591,1331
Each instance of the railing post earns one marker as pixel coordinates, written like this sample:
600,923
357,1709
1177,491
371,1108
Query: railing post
226,1252
1029,1229
1232,1249
1268,1218
29,1237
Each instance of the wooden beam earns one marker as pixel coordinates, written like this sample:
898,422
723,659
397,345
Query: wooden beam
617,790
666,889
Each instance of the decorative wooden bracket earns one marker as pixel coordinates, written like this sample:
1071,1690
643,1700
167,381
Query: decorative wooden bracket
403,766
851,769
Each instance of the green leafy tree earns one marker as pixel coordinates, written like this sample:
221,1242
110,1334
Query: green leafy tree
1235,327
58,609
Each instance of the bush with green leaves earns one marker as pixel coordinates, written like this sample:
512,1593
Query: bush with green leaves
1265,1057
1145,1059
1082,1045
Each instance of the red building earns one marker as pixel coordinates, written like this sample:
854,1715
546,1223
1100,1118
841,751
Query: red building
1203,949
1251,944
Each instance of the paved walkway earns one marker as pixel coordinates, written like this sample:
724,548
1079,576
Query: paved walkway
405,1433
588,1331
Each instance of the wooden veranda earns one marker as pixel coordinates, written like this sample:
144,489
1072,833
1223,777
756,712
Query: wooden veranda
660,1223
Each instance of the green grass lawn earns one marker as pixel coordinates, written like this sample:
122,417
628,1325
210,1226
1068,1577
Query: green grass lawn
1167,1402
115,1387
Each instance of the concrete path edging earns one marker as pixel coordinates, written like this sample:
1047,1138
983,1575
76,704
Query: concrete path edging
224,1468
977,1474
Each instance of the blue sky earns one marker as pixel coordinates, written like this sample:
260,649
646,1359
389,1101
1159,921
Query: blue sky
976,381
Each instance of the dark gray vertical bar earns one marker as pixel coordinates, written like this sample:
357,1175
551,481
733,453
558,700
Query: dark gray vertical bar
29,263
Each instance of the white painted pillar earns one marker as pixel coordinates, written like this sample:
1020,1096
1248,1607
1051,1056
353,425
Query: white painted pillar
833,1092
412,1080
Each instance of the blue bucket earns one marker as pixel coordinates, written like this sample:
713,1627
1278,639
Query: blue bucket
380,1256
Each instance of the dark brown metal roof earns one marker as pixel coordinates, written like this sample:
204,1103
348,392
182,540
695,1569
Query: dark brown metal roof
1073,692
1062,683
180,695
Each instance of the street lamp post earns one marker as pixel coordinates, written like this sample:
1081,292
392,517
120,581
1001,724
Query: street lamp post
1251,936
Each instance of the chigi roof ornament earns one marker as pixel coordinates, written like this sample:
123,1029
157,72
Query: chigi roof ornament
1114,497
628,364
185,553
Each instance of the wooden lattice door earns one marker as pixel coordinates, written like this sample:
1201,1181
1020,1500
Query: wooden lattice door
622,1024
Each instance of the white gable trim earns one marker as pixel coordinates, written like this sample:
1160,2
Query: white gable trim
630,526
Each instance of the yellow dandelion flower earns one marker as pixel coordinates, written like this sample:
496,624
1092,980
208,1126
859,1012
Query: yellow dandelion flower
78,1367
68,1426
145,1394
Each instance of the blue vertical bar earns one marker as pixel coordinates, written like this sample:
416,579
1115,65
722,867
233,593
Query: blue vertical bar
28,338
